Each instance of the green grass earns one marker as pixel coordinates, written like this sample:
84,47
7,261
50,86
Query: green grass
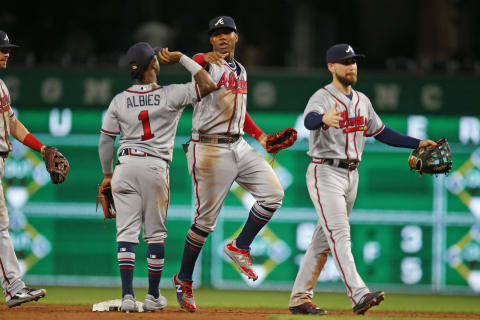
273,300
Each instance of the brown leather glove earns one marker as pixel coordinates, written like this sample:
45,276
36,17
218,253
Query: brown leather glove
432,159
56,164
281,140
105,197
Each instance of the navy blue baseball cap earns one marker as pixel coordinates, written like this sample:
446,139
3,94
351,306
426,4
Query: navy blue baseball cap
221,22
140,54
340,52
5,41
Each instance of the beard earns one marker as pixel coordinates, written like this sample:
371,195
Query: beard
347,81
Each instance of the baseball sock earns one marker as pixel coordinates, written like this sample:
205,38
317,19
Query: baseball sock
155,258
193,245
126,262
257,218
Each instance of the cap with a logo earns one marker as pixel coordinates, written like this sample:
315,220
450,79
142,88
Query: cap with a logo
140,54
340,52
220,23
4,41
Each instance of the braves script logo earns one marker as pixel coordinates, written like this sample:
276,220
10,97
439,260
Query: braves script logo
234,84
352,124
220,21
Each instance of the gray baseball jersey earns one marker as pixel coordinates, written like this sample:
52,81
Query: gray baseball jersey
333,189
147,116
6,113
222,111
10,271
359,121
215,166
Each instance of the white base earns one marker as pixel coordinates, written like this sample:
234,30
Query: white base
113,305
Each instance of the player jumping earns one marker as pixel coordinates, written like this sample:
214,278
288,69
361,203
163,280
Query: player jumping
218,156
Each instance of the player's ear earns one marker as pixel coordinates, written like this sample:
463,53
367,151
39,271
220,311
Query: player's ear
236,37
331,67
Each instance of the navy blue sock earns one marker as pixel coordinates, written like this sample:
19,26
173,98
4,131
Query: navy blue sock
126,262
155,259
193,245
257,219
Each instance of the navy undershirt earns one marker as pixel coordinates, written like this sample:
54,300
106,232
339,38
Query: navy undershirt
313,121
233,65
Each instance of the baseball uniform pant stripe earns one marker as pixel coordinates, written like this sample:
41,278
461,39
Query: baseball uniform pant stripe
4,273
195,185
6,279
350,293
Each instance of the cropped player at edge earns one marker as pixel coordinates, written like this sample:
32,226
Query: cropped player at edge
218,156
14,288
146,116
339,119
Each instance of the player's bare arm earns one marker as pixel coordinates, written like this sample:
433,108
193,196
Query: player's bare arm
205,82
167,57
332,117
215,57
426,143
203,79
17,129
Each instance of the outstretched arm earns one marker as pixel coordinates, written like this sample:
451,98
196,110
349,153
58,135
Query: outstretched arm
396,139
203,79
19,132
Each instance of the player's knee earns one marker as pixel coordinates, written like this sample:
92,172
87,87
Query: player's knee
275,199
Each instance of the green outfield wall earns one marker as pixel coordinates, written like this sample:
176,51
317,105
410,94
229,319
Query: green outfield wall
408,233
268,91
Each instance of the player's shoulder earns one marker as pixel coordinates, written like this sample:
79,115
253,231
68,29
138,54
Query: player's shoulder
362,96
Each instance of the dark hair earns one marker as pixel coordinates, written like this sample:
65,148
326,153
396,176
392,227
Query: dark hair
137,74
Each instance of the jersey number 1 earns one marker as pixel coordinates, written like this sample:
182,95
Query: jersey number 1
147,133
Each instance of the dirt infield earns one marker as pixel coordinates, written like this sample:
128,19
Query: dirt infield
64,312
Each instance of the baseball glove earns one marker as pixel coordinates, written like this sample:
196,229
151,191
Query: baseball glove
56,164
281,140
432,160
105,197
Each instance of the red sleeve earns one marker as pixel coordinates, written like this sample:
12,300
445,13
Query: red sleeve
200,59
251,128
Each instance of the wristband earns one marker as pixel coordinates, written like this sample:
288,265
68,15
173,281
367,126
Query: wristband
32,142
190,65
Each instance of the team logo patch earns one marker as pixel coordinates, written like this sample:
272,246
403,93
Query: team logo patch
220,21
6,38
350,49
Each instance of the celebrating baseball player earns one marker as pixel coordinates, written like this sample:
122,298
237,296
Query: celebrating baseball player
218,155
146,116
14,288
339,119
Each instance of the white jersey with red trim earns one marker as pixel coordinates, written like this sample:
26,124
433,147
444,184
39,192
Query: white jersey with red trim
222,111
146,116
359,120
6,114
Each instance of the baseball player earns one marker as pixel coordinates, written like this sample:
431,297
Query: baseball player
218,155
339,119
146,116
14,288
